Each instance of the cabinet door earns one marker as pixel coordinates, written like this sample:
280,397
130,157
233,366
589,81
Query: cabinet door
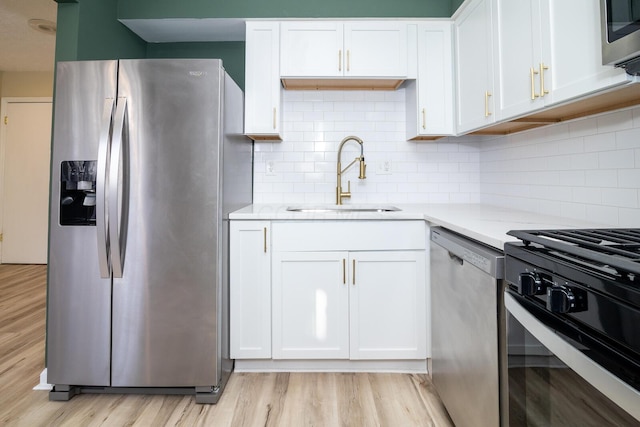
474,61
311,49
432,112
263,109
518,48
375,49
250,290
388,305
572,50
310,305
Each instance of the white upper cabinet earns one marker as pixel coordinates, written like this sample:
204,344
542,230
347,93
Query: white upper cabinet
548,52
475,94
430,97
375,49
262,103
343,49
519,63
571,42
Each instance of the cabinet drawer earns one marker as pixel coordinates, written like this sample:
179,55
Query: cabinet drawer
348,235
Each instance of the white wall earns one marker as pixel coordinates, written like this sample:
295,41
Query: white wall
586,169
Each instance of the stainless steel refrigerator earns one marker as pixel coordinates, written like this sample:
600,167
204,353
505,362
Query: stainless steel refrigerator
148,159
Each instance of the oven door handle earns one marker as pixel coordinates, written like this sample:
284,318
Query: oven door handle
611,386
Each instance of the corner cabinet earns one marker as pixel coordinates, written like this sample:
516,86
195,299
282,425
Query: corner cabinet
250,289
475,95
330,49
263,103
367,301
429,98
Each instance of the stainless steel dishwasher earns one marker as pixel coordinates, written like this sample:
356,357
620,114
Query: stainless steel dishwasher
467,326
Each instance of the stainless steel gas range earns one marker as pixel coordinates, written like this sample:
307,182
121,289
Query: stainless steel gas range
573,328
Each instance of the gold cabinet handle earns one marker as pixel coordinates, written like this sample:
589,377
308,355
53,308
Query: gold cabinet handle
487,94
424,118
354,272
532,73
274,117
543,68
344,271
340,60
348,60
265,240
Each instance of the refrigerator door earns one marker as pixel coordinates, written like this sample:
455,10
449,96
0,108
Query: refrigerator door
165,327
79,300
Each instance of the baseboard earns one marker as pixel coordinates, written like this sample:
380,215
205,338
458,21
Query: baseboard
43,382
270,365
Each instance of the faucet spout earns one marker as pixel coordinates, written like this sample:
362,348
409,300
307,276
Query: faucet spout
363,167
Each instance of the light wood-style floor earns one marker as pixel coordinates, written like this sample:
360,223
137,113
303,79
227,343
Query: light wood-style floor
250,399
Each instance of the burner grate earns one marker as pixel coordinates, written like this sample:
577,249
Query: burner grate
616,248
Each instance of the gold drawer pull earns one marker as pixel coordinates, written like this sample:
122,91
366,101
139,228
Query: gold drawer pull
533,72
265,240
543,68
487,113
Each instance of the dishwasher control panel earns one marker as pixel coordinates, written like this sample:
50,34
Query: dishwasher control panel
486,258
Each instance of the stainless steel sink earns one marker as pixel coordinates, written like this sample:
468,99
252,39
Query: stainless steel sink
342,208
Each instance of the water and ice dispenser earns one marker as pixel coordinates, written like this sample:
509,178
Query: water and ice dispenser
78,192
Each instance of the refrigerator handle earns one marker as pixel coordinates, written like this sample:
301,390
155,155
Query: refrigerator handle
118,194
102,222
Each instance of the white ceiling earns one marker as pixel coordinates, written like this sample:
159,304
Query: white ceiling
21,47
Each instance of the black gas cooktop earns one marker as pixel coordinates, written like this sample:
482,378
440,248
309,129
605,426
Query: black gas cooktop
603,249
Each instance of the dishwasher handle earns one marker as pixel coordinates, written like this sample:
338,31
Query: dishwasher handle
486,258
456,258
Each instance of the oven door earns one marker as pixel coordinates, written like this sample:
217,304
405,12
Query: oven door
551,379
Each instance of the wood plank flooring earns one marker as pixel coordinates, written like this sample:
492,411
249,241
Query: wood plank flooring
250,399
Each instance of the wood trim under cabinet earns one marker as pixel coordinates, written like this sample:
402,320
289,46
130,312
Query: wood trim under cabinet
602,102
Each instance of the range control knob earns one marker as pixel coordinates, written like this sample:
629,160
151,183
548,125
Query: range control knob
560,299
530,283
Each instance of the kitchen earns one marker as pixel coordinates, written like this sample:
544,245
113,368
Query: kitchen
526,170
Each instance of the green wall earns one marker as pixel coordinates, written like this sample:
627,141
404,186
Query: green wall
138,9
455,4
90,30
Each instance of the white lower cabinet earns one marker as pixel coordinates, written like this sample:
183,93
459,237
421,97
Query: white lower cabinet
349,305
250,290
310,306
387,305
328,290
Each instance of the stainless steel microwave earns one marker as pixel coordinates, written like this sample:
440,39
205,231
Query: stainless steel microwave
621,34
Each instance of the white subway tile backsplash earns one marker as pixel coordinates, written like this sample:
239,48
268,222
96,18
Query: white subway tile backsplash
587,169
628,217
615,121
600,142
629,178
621,197
603,214
602,178
629,138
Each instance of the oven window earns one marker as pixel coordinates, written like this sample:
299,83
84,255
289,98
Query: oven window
623,17
543,391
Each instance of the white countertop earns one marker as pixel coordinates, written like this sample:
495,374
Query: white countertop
485,223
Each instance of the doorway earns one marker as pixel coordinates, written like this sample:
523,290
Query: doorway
25,146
